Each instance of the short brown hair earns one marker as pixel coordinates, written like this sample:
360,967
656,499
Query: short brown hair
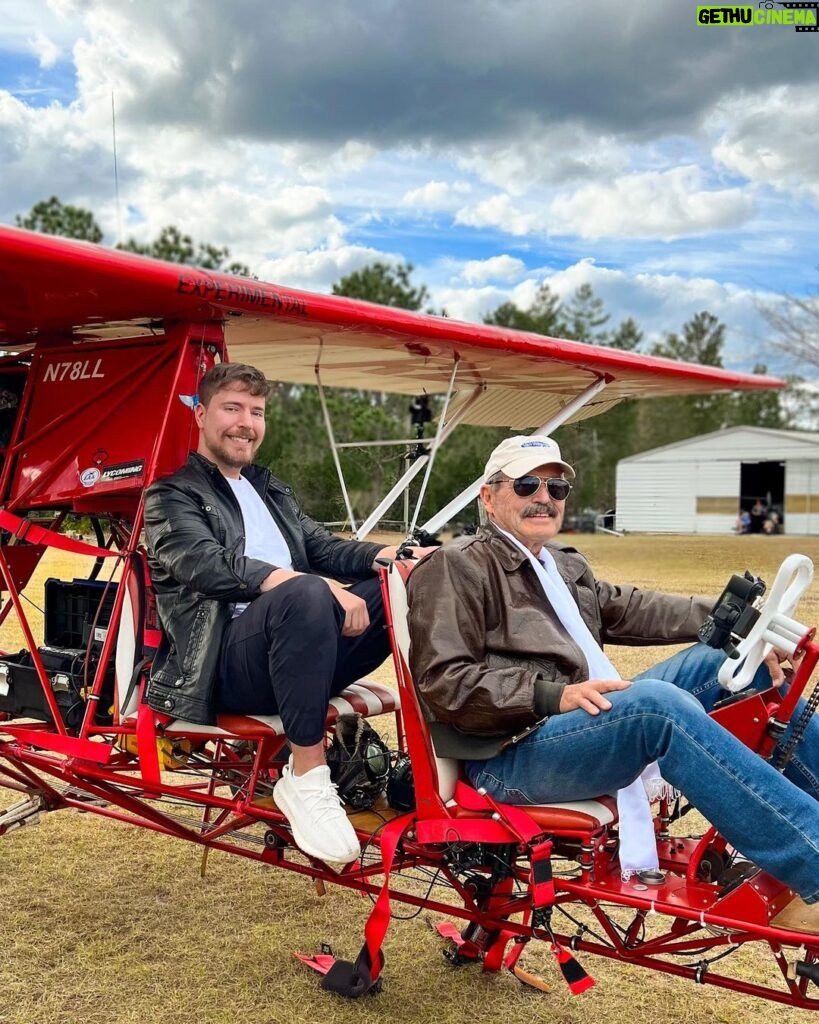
233,375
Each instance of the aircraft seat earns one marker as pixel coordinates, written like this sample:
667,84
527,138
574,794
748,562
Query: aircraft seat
365,696
573,816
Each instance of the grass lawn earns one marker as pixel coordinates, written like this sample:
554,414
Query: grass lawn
108,924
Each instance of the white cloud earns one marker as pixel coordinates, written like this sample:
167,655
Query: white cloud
663,205
436,195
46,51
48,151
500,211
468,304
319,269
316,163
659,302
24,23
654,204
767,137
253,227
496,268
540,157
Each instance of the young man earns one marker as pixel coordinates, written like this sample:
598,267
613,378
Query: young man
507,629
251,625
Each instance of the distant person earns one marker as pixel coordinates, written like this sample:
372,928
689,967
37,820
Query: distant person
758,513
773,523
743,524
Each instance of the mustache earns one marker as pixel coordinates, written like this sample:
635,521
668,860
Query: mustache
243,433
540,508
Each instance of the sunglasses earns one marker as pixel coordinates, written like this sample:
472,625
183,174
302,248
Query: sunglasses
527,486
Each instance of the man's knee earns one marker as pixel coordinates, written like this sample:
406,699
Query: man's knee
305,599
659,696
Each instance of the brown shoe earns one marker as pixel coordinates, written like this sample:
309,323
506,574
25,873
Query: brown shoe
798,916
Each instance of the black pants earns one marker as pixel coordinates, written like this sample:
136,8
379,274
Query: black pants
285,654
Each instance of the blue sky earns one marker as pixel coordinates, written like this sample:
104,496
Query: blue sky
496,146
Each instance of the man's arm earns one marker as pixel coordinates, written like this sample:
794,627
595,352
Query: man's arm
334,556
449,662
647,617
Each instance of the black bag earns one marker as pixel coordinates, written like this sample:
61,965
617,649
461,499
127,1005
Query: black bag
359,761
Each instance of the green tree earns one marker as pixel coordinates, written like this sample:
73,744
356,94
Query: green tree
584,314
702,340
628,337
593,446
296,447
665,420
52,217
760,408
384,284
542,317
175,247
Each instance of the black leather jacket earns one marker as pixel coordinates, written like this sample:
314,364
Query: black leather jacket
196,541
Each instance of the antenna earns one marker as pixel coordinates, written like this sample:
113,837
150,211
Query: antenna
116,172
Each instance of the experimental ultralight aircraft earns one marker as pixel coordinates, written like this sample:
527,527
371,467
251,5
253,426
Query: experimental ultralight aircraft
103,353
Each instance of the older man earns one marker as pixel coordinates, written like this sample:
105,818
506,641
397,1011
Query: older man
507,629
253,619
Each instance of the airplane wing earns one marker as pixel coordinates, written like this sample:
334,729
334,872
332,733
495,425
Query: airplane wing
53,288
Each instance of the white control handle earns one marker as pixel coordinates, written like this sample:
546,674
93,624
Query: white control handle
774,628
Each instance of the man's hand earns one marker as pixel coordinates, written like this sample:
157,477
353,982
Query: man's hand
774,660
392,551
589,697
356,616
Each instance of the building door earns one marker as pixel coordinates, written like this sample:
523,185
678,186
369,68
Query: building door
762,483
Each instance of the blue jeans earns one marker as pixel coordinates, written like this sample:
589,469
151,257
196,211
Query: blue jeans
695,670
661,717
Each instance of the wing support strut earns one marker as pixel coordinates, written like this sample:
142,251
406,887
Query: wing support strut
436,444
328,426
415,468
445,428
471,493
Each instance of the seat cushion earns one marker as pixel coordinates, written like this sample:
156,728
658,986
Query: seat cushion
573,816
366,697
577,816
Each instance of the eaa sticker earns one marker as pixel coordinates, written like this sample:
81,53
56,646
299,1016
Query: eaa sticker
89,477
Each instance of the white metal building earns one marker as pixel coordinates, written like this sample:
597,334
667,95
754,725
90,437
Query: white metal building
700,485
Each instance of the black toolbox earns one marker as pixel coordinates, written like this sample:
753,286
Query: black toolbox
77,615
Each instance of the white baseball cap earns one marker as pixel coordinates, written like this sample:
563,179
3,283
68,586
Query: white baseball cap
517,456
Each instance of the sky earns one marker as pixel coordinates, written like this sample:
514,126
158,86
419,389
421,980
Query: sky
497,145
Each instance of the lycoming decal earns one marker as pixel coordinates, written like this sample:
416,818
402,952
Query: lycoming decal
77,370
124,470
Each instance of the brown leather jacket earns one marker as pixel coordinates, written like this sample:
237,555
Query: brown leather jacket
482,632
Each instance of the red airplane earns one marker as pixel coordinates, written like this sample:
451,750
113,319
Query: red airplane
103,354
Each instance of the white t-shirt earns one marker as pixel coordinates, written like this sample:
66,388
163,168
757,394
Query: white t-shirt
263,538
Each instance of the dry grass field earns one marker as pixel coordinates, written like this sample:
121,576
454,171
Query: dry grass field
107,924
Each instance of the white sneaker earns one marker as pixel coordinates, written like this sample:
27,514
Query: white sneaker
311,804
